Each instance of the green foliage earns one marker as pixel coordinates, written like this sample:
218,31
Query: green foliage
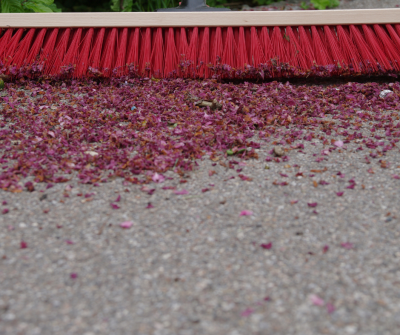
304,6
323,4
152,5
264,2
83,5
28,6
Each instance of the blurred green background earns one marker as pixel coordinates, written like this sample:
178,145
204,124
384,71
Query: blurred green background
142,5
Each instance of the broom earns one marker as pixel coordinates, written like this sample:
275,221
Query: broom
196,41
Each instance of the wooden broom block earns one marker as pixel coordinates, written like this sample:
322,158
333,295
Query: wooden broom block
202,19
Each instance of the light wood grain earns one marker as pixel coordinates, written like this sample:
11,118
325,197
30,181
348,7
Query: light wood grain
202,19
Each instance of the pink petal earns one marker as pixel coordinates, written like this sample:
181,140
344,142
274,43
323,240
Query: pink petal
114,206
316,300
181,192
118,198
158,178
330,308
347,245
325,249
23,245
247,312
149,205
266,245
126,224
74,275
312,204
69,242
5,211
339,194
338,143
395,176
246,213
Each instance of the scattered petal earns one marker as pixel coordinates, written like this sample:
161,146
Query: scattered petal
347,245
245,213
149,205
312,204
114,206
74,275
339,194
316,300
266,245
338,143
181,192
330,308
247,312
158,178
126,224
23,245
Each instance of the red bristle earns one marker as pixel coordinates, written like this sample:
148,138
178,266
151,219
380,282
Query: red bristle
49,46
298,54
19,58
182,47
95,53
177,37
279,46
193,52
121,52
224,34
171,55
12,45
256,52
217,46
306,47
376,48
36,47
333,47
241,55
108,53
4,41
266,44
247,34
183,44
157,54
132,57
145,54
397,27
236,34
368,59
83,61
321,54
230,49
58,54
348,49
204,54
72,55
389,47
395,38
290,46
